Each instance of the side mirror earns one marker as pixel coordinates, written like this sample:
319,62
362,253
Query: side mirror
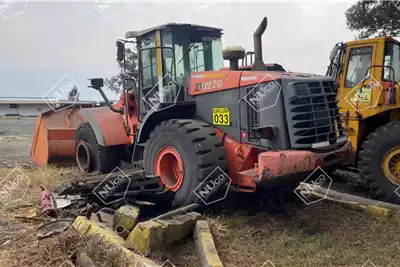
120,51
97,83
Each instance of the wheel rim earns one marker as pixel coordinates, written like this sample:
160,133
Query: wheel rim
83,156
169,166
391,165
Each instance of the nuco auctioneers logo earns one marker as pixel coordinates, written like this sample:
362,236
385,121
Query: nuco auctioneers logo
162,95
11,8
14,186
268,263
307,189
110,8
214,188
209,9
369,263
264,95
167,263
64,93
113,188
397,3
67,263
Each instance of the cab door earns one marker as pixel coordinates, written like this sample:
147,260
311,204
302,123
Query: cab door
157,75
359,86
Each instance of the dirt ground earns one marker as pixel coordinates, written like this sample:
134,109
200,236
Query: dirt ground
248,232
15,140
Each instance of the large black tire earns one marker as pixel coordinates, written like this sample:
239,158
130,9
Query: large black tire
103,159
371,157
199,147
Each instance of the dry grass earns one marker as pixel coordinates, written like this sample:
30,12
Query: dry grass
47,177
323,234
26,251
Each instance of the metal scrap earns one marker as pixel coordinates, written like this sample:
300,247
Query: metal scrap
78,197
53,227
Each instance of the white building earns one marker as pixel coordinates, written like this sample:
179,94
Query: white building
31,106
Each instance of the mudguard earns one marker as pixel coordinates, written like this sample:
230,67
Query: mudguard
108,126
181,110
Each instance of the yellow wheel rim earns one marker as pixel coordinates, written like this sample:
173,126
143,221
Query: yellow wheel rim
391,165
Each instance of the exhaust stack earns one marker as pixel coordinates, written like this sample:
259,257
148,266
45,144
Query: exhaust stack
258,57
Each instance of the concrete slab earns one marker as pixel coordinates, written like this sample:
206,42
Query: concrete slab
102,233
205,247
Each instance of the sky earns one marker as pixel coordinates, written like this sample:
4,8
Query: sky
43,45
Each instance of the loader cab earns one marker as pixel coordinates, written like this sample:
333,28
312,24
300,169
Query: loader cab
364,71
169,53
368,75
178,50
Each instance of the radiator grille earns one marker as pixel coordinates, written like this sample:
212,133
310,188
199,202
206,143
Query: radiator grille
253,120
314,113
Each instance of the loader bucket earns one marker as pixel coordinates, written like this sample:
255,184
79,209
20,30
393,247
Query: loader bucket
54,139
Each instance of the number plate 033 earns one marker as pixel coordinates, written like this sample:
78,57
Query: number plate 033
221,116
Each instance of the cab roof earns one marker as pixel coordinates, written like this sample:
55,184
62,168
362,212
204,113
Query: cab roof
182,26
373,40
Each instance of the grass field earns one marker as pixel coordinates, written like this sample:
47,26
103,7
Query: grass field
322,234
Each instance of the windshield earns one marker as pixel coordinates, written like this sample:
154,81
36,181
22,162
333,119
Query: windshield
204,54
392,59
359,63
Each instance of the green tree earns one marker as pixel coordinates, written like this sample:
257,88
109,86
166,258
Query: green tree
372,18
73,94
114,83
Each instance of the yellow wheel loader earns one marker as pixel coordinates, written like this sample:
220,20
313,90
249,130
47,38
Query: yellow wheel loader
368,75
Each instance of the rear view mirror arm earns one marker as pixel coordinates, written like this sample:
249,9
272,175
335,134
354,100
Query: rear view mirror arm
108,103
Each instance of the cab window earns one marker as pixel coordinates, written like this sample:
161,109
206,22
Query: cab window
206,55
194,56
392,59
359,62
148,61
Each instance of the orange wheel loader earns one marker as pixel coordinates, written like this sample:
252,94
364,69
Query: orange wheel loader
191,121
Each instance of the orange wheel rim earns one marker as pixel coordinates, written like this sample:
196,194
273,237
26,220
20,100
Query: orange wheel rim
169,166
391,165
